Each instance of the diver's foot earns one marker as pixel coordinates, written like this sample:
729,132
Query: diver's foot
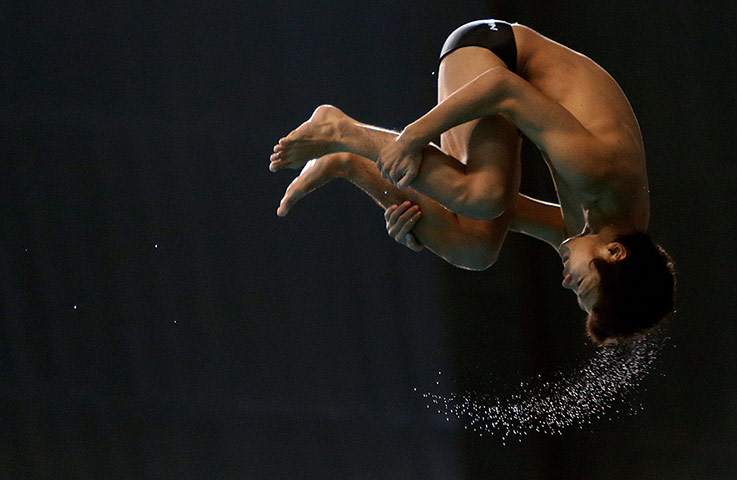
322,134
316,173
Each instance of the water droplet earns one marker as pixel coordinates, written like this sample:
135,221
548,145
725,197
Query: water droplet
595,390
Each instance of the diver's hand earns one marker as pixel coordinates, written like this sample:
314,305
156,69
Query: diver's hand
400,220
399,162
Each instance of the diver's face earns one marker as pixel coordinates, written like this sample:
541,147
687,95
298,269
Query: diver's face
579,273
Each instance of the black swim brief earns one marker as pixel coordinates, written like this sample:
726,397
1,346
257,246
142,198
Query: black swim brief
493,35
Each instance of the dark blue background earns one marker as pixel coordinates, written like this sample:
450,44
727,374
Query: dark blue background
159,321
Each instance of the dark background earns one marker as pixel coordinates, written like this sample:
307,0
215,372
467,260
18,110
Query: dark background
159,321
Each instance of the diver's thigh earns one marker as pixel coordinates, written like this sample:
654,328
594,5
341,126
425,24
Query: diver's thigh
489,145
456,70
463,65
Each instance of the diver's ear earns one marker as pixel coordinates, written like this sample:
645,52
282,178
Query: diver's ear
617,251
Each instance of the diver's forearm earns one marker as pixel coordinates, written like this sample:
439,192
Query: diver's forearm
538,219
479,98
465,243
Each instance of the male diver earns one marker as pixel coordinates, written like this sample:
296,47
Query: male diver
495,81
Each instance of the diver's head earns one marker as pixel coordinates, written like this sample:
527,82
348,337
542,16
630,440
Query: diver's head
625,285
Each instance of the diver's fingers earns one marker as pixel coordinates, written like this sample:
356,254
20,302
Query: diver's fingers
415,214
401,221
411,242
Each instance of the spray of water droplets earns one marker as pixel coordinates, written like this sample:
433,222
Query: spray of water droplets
600,388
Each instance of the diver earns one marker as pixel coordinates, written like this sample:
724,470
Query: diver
496,82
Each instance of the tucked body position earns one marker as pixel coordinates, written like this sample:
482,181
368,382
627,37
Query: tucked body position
496,82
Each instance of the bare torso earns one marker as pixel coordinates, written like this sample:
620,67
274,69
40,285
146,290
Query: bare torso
589,93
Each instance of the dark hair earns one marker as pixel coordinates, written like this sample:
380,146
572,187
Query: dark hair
635,293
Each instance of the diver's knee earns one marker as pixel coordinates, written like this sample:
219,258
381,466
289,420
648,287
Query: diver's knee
478,258
498,201
487,259
485,203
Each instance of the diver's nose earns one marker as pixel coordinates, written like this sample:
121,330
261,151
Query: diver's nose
568,281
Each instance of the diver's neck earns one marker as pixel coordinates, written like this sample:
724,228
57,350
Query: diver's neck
605,228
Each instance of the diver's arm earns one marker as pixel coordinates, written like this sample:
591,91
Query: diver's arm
461,241
584,159
481,97
538,219
440,178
